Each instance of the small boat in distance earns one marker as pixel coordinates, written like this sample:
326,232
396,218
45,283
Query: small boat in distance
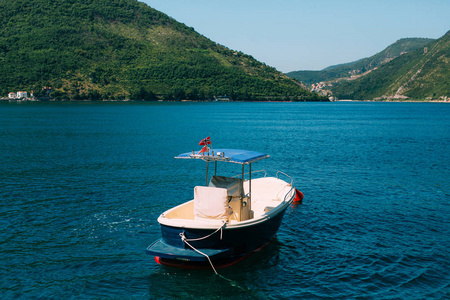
222,98
229,217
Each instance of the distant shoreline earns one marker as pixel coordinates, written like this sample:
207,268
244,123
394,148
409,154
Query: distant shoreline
409,101
258,101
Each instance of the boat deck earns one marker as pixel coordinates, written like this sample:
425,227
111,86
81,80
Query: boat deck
267,195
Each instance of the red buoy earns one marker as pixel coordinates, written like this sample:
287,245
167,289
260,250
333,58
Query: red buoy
298,196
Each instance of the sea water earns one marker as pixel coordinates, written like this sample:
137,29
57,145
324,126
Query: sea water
82,184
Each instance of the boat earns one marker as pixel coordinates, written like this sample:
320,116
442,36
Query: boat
222,98
229,218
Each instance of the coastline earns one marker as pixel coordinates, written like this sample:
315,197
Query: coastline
397,101
218,101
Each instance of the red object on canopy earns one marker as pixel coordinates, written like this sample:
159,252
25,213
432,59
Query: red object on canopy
206,141
204,149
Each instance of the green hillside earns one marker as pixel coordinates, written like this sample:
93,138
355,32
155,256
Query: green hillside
123,49
361,66
423,74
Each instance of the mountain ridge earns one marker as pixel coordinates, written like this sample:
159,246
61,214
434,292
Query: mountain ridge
124,49
423,74
361,66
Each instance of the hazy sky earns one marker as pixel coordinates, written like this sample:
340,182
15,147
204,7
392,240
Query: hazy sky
293,35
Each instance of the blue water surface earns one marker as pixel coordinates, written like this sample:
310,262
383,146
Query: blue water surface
82,184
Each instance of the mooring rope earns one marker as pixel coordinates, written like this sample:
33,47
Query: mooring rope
198,251
207,236
186,241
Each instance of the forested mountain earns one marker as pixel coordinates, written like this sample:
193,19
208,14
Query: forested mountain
361,66
423,74
124,49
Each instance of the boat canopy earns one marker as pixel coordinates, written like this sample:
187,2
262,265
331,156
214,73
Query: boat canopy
236,156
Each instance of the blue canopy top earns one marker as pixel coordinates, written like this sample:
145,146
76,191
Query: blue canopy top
229,155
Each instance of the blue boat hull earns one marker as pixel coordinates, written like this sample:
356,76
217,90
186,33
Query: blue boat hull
223,248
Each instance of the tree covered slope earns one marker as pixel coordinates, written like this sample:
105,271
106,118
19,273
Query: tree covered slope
361,66
124,49
423,74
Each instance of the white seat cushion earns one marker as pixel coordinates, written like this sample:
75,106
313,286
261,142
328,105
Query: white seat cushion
211,203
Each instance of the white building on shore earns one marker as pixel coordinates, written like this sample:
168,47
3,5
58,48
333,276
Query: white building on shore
21,94
12,95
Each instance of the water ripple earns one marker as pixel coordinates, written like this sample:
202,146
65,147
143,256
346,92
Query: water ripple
80,200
